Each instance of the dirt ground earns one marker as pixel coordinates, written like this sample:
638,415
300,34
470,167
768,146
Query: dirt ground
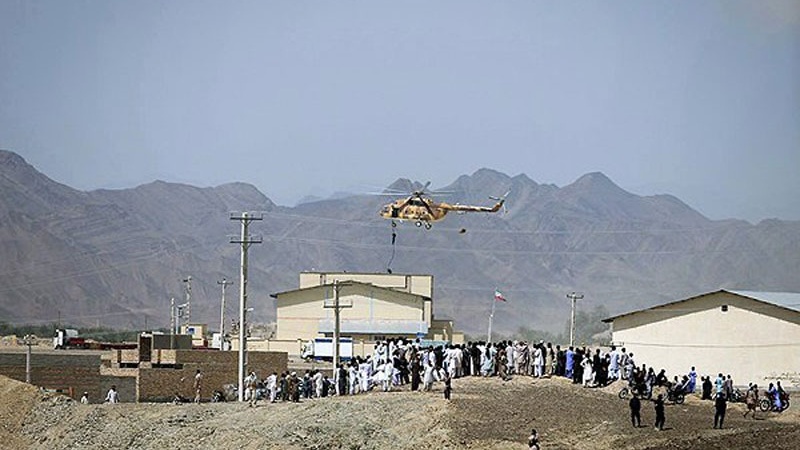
483,414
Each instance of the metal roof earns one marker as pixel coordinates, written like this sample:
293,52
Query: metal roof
786,300
789,300
351,283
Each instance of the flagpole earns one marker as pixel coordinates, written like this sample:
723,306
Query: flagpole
491,316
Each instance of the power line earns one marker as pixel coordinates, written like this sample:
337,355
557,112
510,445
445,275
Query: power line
378,223
494,251
93,271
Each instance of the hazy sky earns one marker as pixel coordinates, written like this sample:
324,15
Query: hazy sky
700,99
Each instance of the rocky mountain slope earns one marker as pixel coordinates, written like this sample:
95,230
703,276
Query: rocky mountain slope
116,257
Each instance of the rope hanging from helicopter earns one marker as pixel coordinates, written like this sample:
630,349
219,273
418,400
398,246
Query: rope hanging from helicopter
394,239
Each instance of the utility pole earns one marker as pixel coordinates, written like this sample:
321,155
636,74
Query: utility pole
224,283
188,289
28,340
337,307
244,240
491,318
172,323
573,296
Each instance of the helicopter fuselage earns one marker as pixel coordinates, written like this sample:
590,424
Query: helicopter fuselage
413,210
424,210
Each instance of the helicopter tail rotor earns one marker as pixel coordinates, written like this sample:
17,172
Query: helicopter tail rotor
502,201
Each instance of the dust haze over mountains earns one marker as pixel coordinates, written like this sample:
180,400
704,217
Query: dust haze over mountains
697,99
115,257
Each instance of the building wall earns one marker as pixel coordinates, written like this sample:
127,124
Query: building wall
441,330
752,341
69,374
299,313
218,368
361,347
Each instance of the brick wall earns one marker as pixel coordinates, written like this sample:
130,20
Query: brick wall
73,374
69,373
218,368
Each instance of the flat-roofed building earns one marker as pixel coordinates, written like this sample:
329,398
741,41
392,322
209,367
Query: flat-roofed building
753,336
376,307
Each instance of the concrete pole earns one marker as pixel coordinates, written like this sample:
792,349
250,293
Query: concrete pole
242,306
225,283
491,318
172,323
335,326
28,342
188,289
337,307
244,240
573,296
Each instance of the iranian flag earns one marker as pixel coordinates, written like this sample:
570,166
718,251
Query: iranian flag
498,296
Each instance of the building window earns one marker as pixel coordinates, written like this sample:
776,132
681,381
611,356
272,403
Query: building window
724,308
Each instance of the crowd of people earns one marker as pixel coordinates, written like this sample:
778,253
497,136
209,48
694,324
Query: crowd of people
399,362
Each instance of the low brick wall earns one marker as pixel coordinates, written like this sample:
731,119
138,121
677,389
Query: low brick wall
74,374
218,368
67,373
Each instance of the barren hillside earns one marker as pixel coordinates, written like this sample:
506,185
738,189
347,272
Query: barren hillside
483,414
116,257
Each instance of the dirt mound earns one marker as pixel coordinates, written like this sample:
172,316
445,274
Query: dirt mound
494,414
17,399
483,414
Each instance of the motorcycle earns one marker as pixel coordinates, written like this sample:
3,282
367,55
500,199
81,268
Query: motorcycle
736,396
627,391
676,396
767,403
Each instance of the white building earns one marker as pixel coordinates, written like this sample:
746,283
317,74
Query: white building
753,336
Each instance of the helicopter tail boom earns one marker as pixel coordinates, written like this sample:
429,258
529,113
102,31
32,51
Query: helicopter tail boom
490,209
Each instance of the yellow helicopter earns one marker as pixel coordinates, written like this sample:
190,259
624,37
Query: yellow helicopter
423,210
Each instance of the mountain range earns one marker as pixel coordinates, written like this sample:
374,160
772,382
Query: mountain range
117,257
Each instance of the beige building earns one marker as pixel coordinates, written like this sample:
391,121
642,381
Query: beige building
753,336
376,306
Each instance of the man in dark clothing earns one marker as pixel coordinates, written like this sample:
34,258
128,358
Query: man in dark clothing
636,406
720,405
660,417
341,380
706,388
577,369
475,359
447,386
415,373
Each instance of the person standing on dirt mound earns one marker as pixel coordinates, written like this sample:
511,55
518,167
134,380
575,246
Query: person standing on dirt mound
720,405
692,381
636,406
113,395
660,417
198,385
707,386
250,385
751,400
447,386
533,440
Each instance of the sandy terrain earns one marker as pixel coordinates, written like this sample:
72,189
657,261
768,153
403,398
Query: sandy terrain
483,414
